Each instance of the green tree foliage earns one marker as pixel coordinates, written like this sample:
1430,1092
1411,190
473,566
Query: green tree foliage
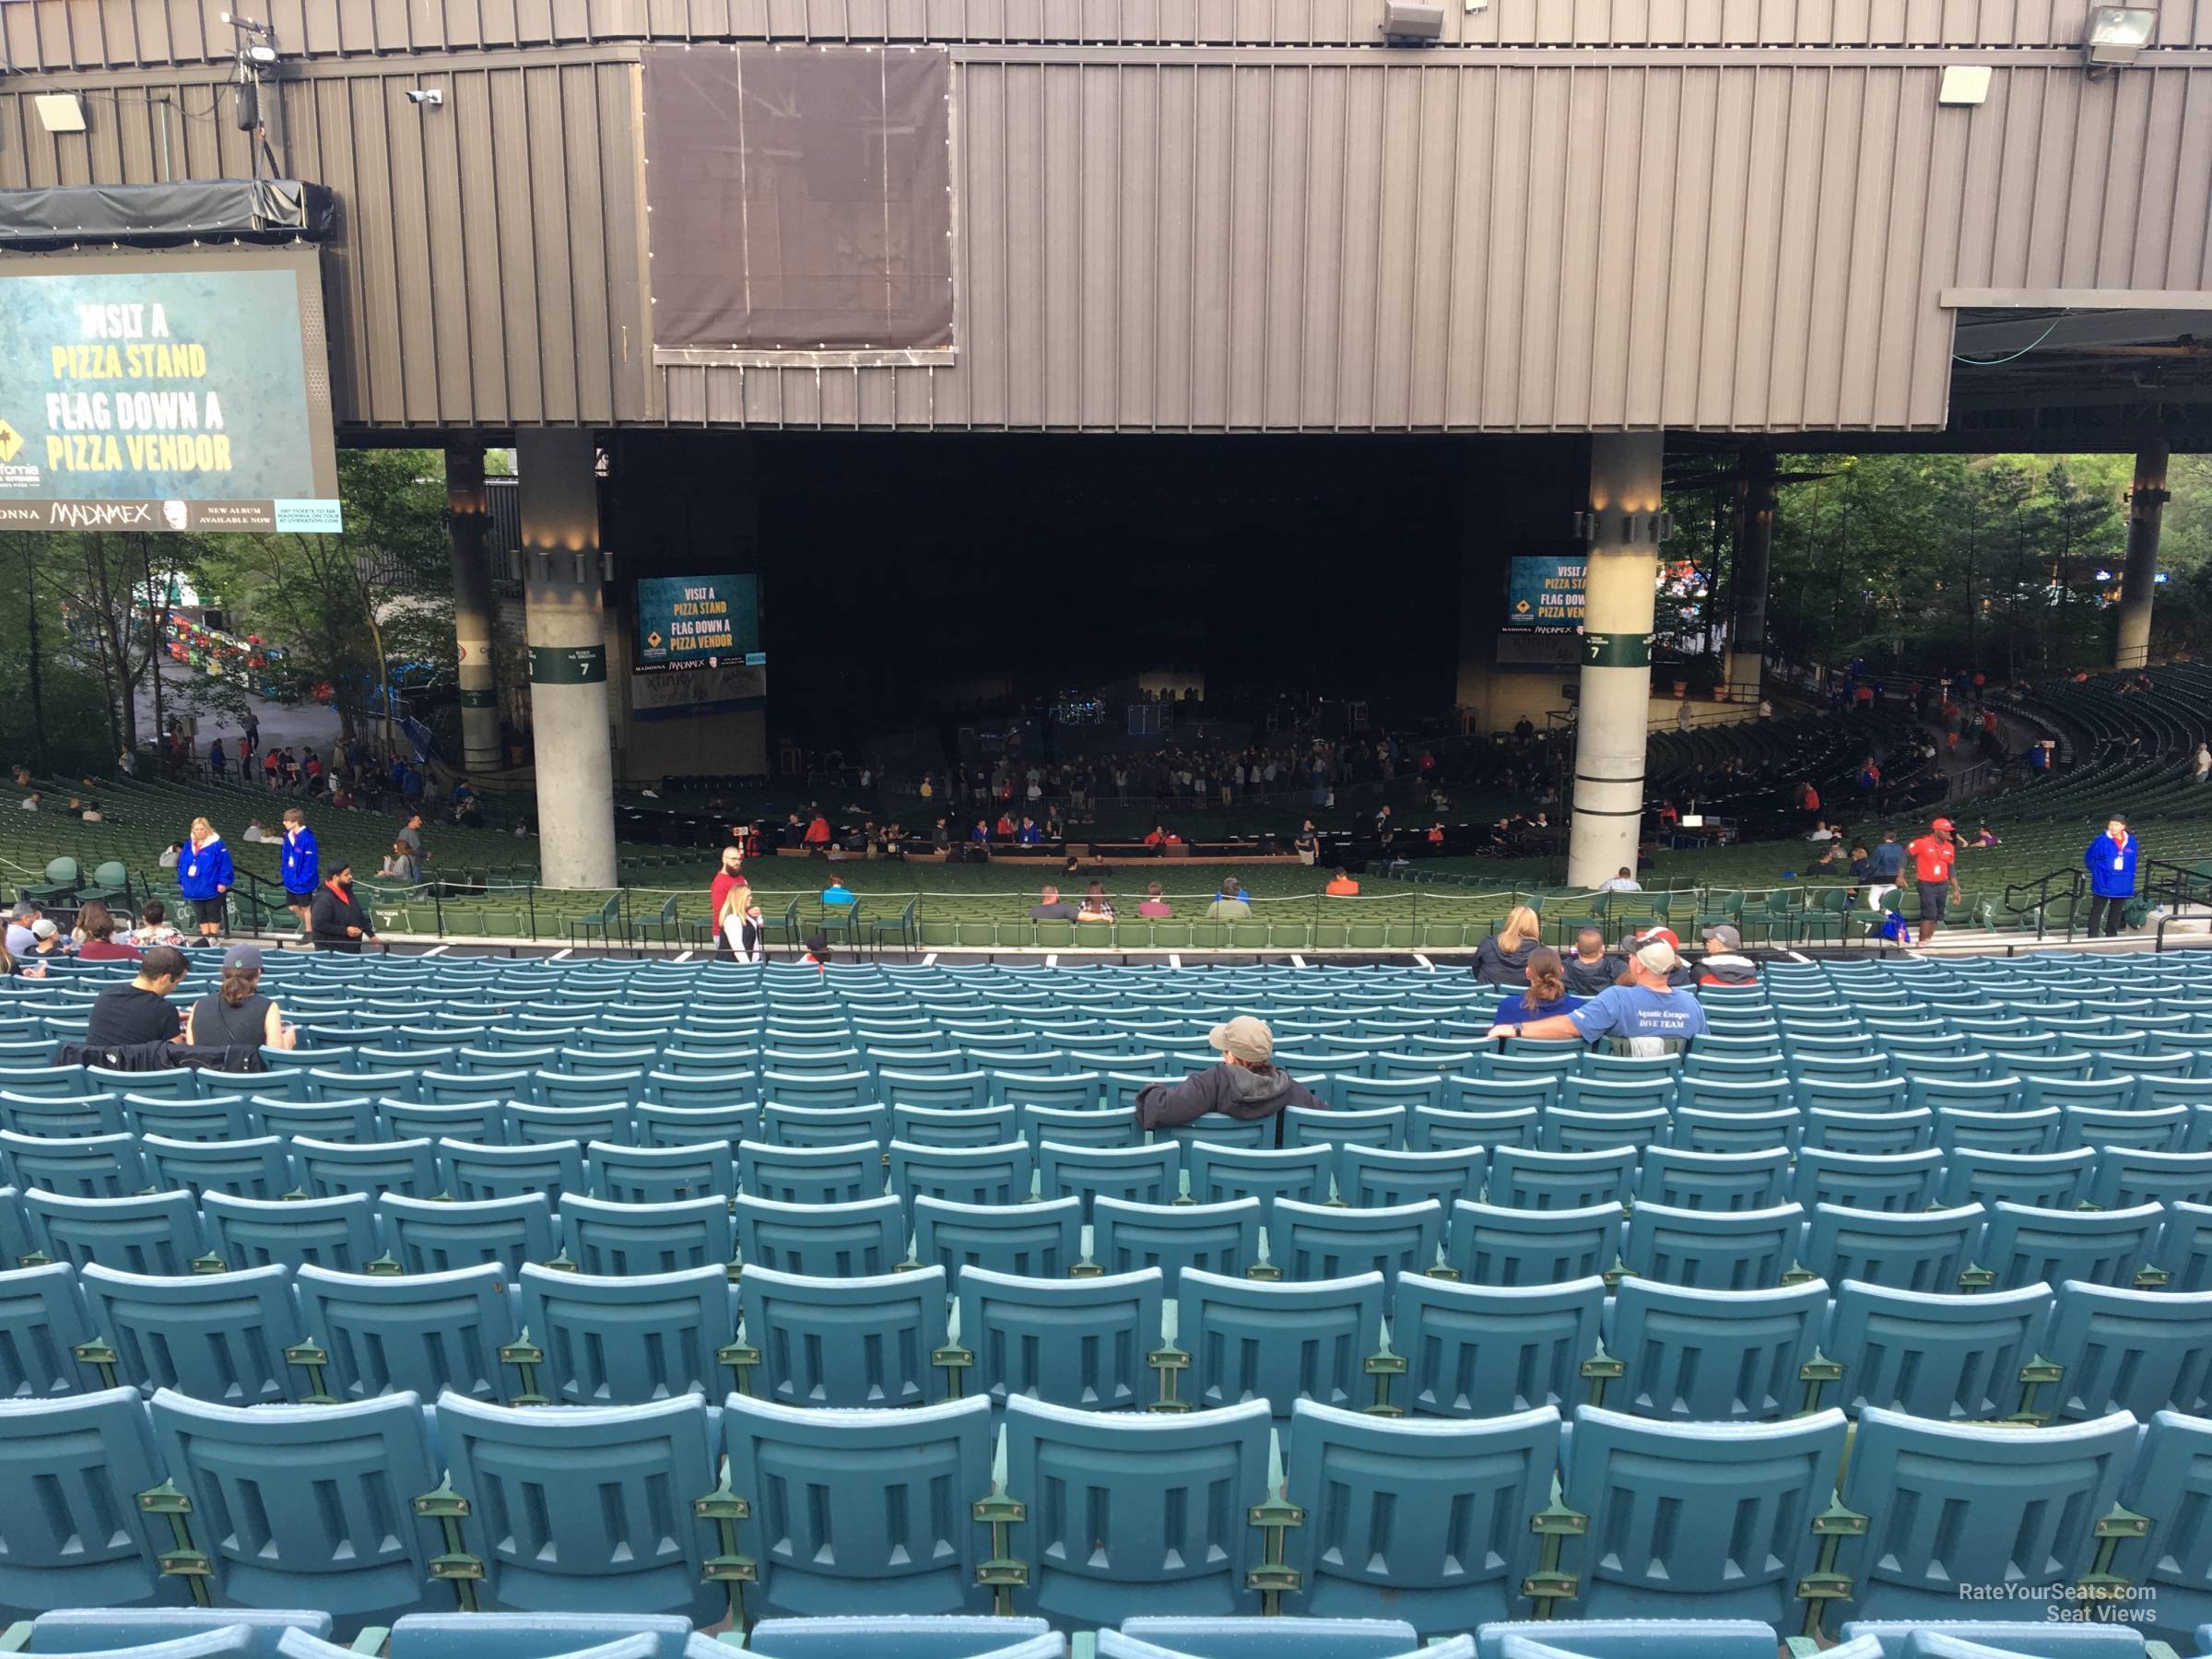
347,608
2005,563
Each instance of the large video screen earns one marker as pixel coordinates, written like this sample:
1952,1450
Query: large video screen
699,645
184,390
1543,593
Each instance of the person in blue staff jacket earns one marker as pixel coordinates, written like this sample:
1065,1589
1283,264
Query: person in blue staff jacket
2110,862
204,876
302,866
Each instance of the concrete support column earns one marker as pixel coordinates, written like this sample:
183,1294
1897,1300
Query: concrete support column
1754,544
466,518
2140,578
564,618
1618,590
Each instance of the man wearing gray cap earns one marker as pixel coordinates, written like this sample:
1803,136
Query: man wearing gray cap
1246,1084
1645,1016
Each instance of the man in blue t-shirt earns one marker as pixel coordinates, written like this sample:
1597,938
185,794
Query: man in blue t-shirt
1643,1017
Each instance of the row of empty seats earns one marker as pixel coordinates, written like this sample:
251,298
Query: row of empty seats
238,1633
379,1509
2150,1244
1140,1339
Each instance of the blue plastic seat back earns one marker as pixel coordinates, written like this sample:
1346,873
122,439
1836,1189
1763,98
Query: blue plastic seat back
1378,1126
1067,1092
787,1125
42,1117
590,1507
1524,1178
42,1320
1932,1355
426,1236
1214,1237
472,1174
1083,1343
2025,1244
1113,1127
846,1174
480,1119
155,1232
2051,1180
1960,1130
83,1166
548,1636
1035,1241
1685,1179
331,1168
1973,1638
599,1237
1487,1350
1251,1339
1696,1356
2185,1247
2140,1351
339,1233
846,1343
183,1116
1632,1639
824,1240
1137,1174
1696,1520
353,1119
529,1125
219,1336
1919,1251
1318,1242
88,1542
2034,1499
2153,1129
308,1506
1136,1510
709,1121
627,1341
1855,1180
1382,1177
1417,1519
175,1632
2127,1176
952,1636
991,1174
929,1126
2170,1482
865,1510
1487,1244
1713,1249
1218,1174
421,1333
623,1174
1443,1131
435,1089
1870,1133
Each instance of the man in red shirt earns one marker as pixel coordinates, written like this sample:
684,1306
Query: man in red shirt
816,839
1934,856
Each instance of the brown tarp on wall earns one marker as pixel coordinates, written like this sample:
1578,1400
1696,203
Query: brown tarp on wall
800,197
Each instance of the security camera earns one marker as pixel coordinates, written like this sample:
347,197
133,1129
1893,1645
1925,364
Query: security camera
431,96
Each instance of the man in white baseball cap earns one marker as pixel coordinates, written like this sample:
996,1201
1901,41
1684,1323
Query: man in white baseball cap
1247,1084
1646,1015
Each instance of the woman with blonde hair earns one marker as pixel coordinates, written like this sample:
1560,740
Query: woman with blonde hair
738,922
204,876
1502,958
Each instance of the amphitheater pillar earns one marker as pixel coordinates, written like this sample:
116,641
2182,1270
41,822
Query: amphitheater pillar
565,619
466,518
2139,577
1623,529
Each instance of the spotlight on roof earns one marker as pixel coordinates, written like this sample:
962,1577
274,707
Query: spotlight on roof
2116,34
60,112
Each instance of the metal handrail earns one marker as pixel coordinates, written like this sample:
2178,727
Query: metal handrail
2074,881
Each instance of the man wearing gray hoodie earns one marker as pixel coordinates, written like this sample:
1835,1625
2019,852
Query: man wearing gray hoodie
1246,1084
